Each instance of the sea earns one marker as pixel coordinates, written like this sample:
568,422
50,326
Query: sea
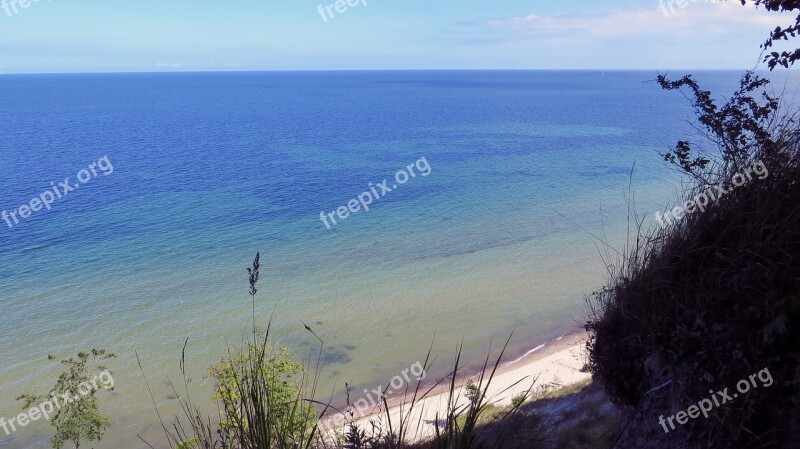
396,213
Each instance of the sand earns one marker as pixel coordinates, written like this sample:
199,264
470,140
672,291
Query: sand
551,365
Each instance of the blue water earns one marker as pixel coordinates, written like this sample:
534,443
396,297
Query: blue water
210,168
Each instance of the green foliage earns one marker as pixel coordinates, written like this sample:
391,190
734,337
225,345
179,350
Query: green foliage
193,443
519,399
78,419
278,374
472,392
263,394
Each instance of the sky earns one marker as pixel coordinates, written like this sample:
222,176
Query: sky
48,36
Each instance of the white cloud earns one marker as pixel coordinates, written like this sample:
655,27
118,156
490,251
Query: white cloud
703,34
699,19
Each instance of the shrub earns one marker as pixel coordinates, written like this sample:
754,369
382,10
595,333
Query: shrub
277,376
77,420
704,303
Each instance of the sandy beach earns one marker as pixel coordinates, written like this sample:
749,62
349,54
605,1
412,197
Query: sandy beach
550,365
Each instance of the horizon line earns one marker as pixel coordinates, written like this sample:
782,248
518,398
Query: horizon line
133,72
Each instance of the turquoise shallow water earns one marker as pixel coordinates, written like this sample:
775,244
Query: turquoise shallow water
210,168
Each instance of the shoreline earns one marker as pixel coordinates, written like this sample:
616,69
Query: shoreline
557,362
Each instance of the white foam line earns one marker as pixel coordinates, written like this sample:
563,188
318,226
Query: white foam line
527,354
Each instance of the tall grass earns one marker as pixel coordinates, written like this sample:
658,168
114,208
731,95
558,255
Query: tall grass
266,400
702,303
